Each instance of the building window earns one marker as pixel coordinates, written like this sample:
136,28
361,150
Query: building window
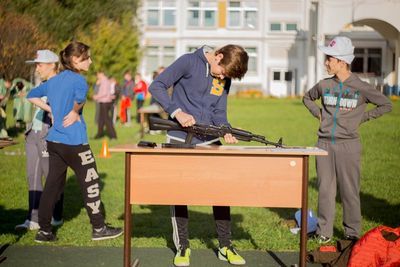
275,26
367,61
202,13
276,75
160,13
291,27
243,14
283,27
157,56
252,64
288,76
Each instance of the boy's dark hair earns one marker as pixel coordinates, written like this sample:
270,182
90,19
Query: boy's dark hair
235,60
76,49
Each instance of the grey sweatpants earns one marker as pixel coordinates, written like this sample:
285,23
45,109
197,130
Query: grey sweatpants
339,170
37,167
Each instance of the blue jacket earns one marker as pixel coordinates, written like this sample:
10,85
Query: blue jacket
195,91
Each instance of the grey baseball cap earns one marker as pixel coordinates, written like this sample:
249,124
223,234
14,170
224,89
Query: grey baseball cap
44,56
341,48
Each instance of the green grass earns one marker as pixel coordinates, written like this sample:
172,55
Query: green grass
253,228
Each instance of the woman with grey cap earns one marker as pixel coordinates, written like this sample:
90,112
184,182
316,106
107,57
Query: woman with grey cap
37,157
344,98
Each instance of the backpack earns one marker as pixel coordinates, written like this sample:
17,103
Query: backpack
378,247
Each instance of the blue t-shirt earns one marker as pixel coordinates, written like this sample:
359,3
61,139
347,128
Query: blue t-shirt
62,91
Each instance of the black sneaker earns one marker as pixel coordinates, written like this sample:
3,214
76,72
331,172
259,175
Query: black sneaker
43,236
351,238
107,232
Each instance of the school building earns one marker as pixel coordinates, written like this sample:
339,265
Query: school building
280,36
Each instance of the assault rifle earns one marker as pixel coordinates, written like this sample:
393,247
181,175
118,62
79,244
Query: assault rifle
210,130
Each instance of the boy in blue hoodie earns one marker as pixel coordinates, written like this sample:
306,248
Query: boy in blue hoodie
201,83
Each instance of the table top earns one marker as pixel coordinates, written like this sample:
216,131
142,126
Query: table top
229,149
4,142
150,109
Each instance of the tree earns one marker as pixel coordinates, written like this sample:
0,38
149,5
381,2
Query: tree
20,39
114,46
63,18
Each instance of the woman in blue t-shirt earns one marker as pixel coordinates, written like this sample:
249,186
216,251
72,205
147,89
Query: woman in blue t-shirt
67,142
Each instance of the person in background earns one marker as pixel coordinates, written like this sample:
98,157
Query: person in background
22,108
126,96
115,91
105,97
155,74
140,91
67,143
344,99
5,88
201,83
37,156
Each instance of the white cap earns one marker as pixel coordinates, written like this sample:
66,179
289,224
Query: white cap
44,56
341,48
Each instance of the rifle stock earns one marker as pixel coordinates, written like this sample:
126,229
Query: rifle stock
209,130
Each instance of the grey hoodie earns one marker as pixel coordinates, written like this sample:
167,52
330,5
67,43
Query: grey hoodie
343,106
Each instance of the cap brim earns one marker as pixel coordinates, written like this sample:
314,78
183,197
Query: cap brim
328,50
30,61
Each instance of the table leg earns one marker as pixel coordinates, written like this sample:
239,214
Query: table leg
128,212
304,210
141,124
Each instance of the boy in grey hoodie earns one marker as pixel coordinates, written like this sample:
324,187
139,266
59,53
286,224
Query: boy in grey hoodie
344,98
201,82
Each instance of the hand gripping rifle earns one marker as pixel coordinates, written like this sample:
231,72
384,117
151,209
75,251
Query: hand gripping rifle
210,130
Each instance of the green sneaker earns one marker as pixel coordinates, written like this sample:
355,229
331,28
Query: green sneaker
230,255
182,257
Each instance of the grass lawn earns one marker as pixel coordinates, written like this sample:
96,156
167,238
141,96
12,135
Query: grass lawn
253,228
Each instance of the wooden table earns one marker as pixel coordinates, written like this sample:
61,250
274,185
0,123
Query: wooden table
146,111
257,177
4,142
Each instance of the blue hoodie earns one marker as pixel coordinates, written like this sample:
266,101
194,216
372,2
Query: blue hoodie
195,92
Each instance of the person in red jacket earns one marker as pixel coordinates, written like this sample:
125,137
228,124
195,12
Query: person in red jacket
140,91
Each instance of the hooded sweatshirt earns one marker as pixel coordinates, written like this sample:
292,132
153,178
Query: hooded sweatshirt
344,106
195,92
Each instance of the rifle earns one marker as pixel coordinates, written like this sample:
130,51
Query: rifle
210,130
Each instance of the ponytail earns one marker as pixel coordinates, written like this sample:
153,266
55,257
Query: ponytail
76,49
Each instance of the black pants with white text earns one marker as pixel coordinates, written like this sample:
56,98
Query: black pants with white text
82,162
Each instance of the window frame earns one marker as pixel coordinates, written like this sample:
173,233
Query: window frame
160,8
283,26
161,52
202,9
242,15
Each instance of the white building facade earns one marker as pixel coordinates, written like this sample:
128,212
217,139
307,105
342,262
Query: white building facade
280,36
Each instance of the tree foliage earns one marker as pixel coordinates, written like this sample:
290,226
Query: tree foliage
106,26
62,18
20,38
113,45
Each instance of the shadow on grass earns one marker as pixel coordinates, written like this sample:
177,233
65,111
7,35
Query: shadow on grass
73,200
73,203
288,214
9,218
157,223
375,209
